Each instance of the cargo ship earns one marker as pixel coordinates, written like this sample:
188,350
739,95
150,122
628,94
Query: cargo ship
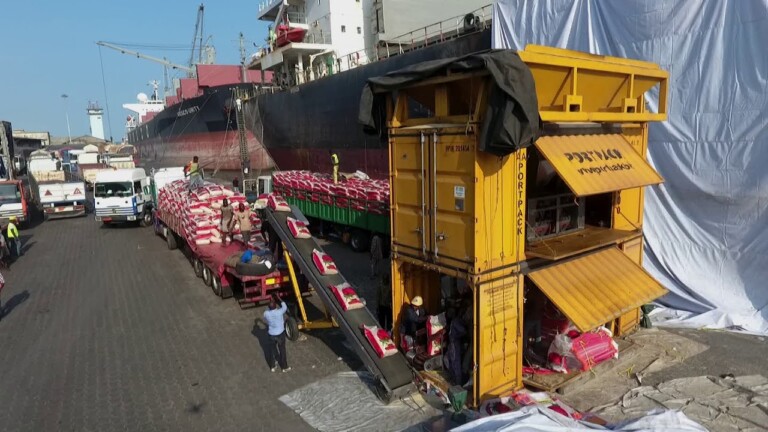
315,84
199,120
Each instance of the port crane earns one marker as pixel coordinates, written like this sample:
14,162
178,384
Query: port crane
162,61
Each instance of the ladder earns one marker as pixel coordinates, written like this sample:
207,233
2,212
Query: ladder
245,163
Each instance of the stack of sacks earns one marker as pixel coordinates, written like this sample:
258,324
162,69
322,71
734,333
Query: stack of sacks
358,193
200,211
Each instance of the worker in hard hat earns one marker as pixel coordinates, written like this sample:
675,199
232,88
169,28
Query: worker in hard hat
335,163
12,233
413,322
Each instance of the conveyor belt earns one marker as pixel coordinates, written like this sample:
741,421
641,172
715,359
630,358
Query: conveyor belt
393,372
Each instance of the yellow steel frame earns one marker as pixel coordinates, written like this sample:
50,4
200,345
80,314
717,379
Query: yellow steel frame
305,323
571,88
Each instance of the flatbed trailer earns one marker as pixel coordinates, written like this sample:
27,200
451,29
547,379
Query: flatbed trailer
209,263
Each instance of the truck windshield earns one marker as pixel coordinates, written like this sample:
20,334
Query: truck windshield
9,194
115,189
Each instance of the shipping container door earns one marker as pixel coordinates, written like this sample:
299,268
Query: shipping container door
451,204
409,161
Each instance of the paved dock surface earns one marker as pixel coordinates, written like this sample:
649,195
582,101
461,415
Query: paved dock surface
106,329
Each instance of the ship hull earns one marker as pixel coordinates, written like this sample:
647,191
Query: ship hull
299,126
296,127
217,151
203,126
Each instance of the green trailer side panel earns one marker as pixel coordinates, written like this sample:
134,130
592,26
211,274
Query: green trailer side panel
348,216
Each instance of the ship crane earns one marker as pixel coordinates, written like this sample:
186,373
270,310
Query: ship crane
163,62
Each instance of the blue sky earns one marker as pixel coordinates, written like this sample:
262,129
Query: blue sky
49,49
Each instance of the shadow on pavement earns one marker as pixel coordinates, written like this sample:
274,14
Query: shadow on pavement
26,245
195,408
13,302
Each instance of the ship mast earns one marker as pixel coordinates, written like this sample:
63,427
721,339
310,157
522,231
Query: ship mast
244,74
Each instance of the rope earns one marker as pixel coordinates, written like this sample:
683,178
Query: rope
106,99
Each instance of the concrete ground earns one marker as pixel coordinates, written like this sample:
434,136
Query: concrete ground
105,329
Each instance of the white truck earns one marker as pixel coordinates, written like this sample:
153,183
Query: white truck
53,190
123,195
121,161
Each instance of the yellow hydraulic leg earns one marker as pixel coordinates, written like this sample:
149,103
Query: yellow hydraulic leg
305,323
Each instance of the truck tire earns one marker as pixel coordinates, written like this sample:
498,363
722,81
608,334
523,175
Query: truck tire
170,240
197,265
146,219
216,287
360,241
291,329
207,276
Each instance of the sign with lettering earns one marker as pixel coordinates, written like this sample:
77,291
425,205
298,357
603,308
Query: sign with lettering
594,164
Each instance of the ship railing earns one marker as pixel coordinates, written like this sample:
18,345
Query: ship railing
429,35
295,16
442,31
422,37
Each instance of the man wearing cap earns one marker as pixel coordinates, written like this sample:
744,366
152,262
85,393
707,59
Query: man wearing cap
414,319
13,237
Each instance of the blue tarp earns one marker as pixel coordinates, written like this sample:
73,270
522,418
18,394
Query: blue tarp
706,227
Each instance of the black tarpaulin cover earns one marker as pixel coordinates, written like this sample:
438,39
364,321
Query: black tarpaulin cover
512,120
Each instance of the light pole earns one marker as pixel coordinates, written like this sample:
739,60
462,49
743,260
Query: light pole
66,112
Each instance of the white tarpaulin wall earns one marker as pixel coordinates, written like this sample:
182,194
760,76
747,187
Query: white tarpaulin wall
706,228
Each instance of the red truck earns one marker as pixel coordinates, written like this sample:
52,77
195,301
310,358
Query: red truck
13,201
210,263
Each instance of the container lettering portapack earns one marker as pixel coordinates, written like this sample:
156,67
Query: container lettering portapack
200,211
459,206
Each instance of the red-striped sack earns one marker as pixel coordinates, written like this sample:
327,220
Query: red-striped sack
324,263
298,228
347,296
277,203
380,340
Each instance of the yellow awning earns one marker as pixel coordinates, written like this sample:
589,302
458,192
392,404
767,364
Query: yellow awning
597,288
594,164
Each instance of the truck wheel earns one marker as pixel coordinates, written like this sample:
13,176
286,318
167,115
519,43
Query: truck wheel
291,329
198,266
171,241
216,286
360,241
207,276
146,219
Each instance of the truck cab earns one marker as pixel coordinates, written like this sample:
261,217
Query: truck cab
13,201
121,196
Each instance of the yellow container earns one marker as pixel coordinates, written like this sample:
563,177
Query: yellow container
460,212
451,203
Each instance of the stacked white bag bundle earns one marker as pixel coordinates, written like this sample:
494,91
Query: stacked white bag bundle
200,211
